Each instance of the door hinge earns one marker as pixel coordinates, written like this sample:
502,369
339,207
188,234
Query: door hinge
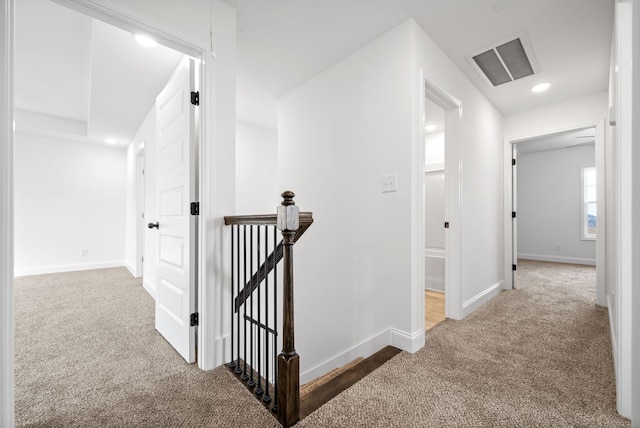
195,208
194,319
513,267
513,214
195,98
513,162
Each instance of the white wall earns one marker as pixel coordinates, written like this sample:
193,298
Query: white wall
217,200
69,197
339,133
550,206
563,116
256,170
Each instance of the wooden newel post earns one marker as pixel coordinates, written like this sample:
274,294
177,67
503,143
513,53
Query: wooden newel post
288,361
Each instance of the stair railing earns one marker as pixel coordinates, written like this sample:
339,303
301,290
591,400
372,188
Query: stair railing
255,254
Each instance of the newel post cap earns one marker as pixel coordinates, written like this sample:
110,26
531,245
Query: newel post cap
288,213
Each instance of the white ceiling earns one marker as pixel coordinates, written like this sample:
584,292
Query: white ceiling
560,140
72,67
283,43
73,70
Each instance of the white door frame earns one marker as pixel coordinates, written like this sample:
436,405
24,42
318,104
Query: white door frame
453,194
510,247
140,158
127,20
6,216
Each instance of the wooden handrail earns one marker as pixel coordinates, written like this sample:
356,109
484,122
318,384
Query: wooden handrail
306,219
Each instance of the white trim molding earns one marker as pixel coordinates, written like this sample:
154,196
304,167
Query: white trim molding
624,80
363,349
410,342
557,259
481,298
150,289
7,392
40,270
453,192
612,333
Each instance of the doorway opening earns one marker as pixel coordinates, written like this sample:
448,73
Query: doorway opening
434,213
439,183
557,200
166,34
84,198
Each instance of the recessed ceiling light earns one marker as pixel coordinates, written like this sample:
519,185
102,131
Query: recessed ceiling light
541,87
145,41
111,140
430,128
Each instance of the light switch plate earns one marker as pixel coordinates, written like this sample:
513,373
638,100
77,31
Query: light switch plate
390,183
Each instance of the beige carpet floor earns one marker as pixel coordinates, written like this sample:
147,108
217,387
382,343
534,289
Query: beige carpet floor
538,356
87,355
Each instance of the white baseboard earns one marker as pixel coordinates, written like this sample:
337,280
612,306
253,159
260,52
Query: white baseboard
400,339
131,270
364,349
481,298
434,284
221,353
410,342
558,259
68,268
150,289
614,343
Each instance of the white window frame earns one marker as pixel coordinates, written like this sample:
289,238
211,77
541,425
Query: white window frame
584,221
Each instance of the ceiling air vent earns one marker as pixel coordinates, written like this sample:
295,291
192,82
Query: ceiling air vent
506,62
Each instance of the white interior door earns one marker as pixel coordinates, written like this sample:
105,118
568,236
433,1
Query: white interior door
176,147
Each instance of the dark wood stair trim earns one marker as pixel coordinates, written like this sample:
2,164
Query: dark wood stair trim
321,395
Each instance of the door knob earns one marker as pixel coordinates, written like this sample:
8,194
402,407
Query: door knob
152,225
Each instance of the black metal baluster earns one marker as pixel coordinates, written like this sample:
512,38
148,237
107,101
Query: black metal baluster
274,407
252,327
259,391
232,364
266,398
238,370
245,376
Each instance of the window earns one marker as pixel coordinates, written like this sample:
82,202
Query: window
589,205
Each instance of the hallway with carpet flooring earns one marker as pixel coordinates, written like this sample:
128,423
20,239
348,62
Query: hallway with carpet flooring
88,355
